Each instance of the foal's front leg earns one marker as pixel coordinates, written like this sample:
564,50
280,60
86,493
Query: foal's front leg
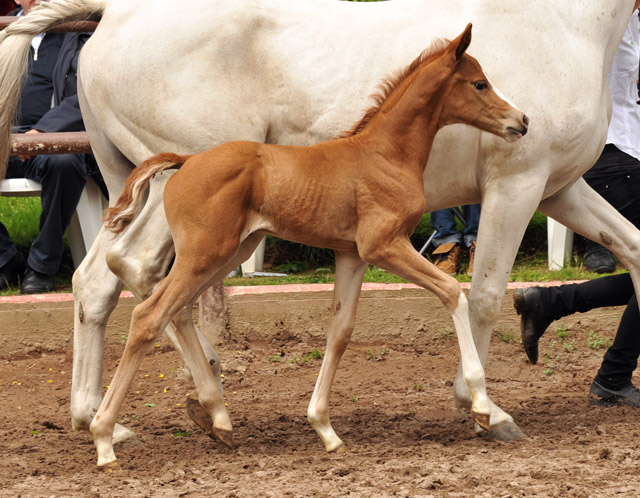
399,257
349,274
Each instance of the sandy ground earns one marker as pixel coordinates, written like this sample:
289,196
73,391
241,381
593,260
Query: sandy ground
392,404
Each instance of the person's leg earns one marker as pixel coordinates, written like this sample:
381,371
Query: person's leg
472,217
7,250
613,382
615,177
62,177
444,223
11,261
470,235
539,306
598,258
446,240
12,264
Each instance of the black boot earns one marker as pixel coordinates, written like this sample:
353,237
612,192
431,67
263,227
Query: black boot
601,395
35,282
11,272
529,303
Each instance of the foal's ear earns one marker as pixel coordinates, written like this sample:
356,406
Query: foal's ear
462,42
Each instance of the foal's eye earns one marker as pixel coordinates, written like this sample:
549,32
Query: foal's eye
481,85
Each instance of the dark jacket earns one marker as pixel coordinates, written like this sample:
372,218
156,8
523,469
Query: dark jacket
64,114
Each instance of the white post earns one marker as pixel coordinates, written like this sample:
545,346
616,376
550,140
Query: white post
560,244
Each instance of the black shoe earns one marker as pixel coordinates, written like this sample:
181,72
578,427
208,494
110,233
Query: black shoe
533,323
628,395
600,260
11,272
35,282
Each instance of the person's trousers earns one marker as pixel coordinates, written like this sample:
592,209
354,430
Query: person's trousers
63,176
621,359
620,189
444,222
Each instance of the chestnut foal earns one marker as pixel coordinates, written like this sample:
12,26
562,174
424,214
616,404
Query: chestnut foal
361,195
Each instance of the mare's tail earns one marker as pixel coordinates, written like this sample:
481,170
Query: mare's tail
118,217
15,41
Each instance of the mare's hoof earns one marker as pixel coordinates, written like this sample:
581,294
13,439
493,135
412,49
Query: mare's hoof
111,468
504,431
482,419
225,436
198,414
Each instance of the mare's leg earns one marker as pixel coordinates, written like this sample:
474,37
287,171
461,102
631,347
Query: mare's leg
399,257
96,292
349,274
584,211
506,211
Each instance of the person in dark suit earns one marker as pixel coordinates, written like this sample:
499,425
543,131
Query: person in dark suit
49,103
6,6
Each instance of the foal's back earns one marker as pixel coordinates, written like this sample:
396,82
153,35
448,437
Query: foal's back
305,194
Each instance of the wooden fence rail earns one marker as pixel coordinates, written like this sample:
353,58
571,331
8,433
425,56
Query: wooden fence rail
31,144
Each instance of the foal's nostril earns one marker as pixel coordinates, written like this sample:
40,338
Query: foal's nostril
525,120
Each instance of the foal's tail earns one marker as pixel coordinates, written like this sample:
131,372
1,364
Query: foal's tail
15,41
118,217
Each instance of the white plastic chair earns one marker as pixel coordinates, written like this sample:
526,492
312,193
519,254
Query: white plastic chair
86,221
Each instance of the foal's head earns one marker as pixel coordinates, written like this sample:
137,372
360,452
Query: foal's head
471,98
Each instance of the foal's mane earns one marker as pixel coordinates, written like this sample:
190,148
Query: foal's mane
390,83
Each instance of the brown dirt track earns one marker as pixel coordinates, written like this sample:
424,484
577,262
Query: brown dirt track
394,412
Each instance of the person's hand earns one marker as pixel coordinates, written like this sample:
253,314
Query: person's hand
23,158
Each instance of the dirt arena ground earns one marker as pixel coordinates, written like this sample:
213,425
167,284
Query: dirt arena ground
392,404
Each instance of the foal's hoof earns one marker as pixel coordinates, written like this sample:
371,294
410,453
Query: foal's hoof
121,433
111,468
339,450
198,414
503,431
225,436
482,419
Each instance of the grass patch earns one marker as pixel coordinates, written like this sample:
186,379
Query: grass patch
308,265
20,216
594,341
506,336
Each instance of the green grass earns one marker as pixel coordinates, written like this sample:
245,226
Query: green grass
305,265
526,270
20,216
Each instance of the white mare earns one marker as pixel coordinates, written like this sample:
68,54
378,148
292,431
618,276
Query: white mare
298,72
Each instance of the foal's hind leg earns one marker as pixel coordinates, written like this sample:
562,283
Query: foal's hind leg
173,297
140,258
399,257
148,321
349,274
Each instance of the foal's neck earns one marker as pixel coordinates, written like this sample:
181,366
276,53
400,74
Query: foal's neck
407,122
